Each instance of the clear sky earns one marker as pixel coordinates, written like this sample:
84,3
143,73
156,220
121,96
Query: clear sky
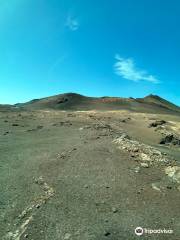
93,47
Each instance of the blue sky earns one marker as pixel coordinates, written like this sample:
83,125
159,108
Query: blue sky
97,48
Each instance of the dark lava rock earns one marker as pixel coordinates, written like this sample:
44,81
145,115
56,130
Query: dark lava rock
39,127
6,133
66,123
170,139
157,123
71,115
15,125
63,123
114,210
107,234
126,120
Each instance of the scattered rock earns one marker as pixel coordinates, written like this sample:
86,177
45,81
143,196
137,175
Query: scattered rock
145,165
155,187
31,130
67,236
71,115
114,210
65,123
39,127
135,150
157,123
137,169
126,120
145,157
174,173
170,139
15,124
106,234
124,136
62,123
144,152
6,133
66,154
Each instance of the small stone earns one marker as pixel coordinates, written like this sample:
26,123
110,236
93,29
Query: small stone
155,187
106,234
157,123
145,165
36,180
15,125
114,210
67,236
39,127
6,133
145,157
86,186
135,150
173,172
38,206
137,169
26,236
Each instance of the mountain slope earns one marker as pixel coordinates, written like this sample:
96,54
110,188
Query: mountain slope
73,101
154,99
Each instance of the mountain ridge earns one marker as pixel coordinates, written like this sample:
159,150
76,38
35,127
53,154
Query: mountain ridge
74,101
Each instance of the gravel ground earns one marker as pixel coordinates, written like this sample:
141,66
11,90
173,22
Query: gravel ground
65,176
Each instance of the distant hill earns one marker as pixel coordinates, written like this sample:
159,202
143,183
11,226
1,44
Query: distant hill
6,107
73,101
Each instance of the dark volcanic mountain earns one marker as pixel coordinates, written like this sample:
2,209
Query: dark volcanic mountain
73,101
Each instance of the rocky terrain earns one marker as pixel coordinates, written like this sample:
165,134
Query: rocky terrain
79,168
